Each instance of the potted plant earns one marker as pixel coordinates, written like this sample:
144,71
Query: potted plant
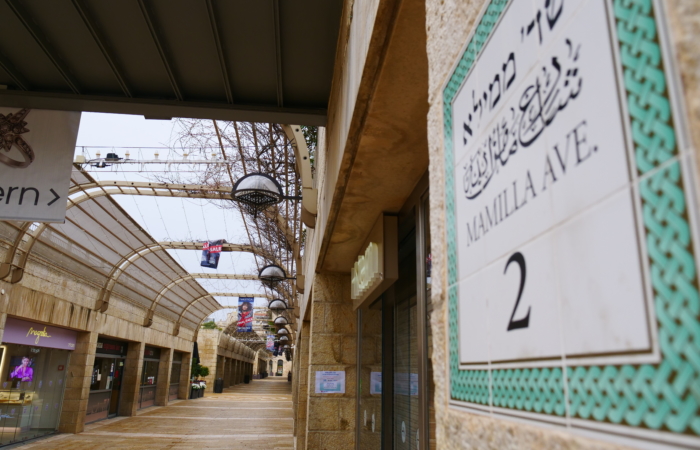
197,386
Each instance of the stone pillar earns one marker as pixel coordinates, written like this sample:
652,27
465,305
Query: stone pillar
77,391
236,371
227,371
220,360
183,391
302,385
163,380
133,367
330,420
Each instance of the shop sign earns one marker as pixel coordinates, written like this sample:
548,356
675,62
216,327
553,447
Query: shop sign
151,353
36,152
110,347
29,333
377,267
561,154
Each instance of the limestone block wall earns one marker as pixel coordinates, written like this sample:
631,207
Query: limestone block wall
330,418
449,24
215,348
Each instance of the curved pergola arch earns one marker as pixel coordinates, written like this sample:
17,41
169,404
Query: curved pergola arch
176,329
119,268
96,189
148,321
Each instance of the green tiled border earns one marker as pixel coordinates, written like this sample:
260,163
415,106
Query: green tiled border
664,396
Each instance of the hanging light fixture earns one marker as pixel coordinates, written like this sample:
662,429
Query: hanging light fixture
272,273
258,191
277,305
282,331
281,320
283,338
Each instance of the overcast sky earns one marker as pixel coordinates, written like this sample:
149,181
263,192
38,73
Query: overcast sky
168,219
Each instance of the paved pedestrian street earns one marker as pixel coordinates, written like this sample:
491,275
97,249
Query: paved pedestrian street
248,416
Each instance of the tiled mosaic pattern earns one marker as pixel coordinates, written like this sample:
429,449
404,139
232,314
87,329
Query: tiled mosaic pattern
660,397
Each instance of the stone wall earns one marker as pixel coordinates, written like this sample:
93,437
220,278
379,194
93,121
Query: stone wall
330,418
222,353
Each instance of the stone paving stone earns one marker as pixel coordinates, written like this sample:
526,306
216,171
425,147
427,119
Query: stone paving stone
253,416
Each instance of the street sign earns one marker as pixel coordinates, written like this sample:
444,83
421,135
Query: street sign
36,152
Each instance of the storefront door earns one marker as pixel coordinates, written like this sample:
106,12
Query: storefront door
149,377
106,382
116,387
400,371
33,371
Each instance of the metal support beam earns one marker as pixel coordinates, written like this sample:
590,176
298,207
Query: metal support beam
103,188
149,315
30,26
309,194
99,40
106,292
219,51
163,57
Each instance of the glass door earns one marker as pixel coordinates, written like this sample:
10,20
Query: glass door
370,370
406,421
117,369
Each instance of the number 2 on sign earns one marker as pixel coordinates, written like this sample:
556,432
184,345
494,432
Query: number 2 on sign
518,258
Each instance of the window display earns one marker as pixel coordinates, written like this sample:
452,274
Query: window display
23,370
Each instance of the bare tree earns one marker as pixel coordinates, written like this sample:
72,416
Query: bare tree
244,148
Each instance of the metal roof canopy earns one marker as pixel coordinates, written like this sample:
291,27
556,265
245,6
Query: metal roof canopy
260,61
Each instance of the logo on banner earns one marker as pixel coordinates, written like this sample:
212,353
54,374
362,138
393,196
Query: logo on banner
38,333
211,252
12,126
245,314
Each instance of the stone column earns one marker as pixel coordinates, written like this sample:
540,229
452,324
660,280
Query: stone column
229,377
236,371
79,377
185,370
133,367
302,385
330,420
220,368
163,380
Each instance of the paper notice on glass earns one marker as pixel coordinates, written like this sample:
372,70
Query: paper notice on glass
330,382
375,383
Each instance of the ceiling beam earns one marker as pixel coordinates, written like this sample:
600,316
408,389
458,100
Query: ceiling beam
30,26
219,50
162,108
14,74
278,52
163,57
99,40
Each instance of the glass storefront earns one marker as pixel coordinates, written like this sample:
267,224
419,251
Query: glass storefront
370,370
149,377
406,377
395,402
32,379
106,382
175,370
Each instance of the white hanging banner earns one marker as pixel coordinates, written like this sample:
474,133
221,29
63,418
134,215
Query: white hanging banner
36,154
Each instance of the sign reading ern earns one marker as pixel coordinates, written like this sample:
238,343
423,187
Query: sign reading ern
36,153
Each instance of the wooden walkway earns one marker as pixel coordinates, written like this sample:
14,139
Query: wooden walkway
248,416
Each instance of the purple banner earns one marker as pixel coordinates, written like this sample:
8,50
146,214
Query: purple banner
29,333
